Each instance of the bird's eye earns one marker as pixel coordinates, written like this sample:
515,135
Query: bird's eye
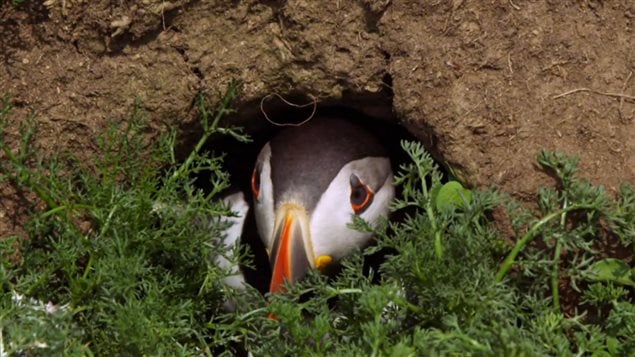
361,195
255,183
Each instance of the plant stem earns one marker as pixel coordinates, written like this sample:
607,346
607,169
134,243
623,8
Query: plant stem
192,156
412,307
438,245
555,274
33,186
209,130
65,208
520,244
555,277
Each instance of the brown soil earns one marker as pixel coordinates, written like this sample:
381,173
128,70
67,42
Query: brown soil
484,84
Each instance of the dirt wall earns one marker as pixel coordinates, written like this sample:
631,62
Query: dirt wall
485,84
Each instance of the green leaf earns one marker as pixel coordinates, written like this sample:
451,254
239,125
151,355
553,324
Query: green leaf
613,345
452,194
611,269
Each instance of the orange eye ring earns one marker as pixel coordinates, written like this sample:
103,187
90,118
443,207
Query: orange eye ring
361,195
255,183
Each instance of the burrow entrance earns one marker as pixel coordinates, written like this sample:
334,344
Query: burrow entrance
371,112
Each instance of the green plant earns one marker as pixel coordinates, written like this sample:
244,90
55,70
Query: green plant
104,272
117,278
459,302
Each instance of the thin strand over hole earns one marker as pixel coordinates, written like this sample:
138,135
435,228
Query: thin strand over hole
577,90
262,109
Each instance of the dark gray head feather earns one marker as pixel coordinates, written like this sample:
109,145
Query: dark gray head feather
305,159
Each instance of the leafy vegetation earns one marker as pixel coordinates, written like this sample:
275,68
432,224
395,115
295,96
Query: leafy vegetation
103,272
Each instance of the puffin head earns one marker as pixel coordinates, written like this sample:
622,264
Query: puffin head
308,183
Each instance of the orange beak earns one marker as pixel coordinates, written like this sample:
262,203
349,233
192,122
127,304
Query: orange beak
289,256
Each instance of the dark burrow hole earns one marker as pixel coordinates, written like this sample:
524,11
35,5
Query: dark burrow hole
240,159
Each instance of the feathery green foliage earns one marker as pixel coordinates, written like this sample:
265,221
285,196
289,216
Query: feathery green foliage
106,272
121,279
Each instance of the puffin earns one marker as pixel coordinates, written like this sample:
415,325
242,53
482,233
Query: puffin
308,183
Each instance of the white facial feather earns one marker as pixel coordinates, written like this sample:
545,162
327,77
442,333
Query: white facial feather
264,204
330,233
239,206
